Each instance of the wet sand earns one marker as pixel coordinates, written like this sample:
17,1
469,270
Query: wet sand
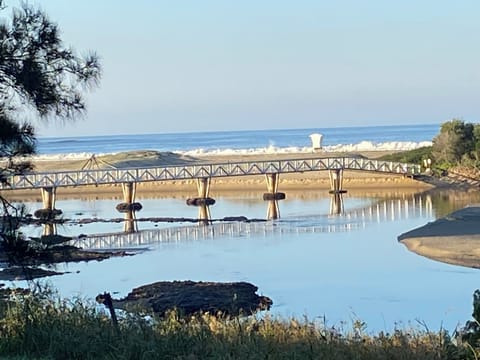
453,239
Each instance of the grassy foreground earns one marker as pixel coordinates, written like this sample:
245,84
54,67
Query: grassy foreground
42,326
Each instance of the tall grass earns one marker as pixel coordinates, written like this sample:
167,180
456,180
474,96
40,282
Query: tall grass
42,326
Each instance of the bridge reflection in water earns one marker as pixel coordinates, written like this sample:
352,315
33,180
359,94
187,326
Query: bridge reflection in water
387,210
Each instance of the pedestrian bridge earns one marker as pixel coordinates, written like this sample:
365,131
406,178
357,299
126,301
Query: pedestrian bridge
38,180
48,182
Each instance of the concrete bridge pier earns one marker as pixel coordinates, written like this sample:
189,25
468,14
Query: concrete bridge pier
204,217
129,190
336,181
48,202
49,228
48,197
272,187
336,204
203,190
273,210
203,187
130,222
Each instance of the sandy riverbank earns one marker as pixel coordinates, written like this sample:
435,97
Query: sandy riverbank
453,239
353,180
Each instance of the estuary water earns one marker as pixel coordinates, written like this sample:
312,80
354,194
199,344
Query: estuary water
334,259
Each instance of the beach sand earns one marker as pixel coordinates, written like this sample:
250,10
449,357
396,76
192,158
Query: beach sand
353,180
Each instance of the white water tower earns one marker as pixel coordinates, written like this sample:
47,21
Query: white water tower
316,141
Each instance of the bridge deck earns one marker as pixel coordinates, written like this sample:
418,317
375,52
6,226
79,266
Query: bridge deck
183,172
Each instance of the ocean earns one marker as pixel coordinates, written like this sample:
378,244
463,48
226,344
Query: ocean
399,137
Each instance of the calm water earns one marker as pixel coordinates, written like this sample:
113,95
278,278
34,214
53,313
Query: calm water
310,262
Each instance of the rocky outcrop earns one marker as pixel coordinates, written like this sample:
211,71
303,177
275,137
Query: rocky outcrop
190,297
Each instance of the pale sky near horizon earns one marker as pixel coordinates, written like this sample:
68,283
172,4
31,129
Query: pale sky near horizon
176,66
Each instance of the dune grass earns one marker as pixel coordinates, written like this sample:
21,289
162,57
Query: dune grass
43,326
415,156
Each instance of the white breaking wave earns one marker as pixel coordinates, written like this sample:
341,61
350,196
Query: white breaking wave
66,156
271,149
361,146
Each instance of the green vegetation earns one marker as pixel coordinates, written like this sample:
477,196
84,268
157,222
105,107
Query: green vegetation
41,326
415,156
39,77
456,147
458,143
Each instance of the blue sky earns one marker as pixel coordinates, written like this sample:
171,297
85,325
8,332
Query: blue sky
189,65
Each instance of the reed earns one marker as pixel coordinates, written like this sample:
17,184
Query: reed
43,326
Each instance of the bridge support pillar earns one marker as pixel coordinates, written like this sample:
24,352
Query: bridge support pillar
204,217
48,201
272,187
336,204
273,210
48,197
203,187
203,190
49,228
336,181
129,190
130,222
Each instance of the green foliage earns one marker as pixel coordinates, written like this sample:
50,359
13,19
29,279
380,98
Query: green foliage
39,325
38,76
456,143
415,156
37,71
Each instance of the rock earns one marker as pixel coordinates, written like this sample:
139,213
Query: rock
25,273
200,201
125,207
235,218
47,214
190,297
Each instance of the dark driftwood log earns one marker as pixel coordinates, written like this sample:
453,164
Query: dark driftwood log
200,201
274,196
190,297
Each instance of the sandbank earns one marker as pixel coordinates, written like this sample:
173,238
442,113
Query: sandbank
453,239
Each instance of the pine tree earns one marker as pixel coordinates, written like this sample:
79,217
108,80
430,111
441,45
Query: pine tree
39,78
